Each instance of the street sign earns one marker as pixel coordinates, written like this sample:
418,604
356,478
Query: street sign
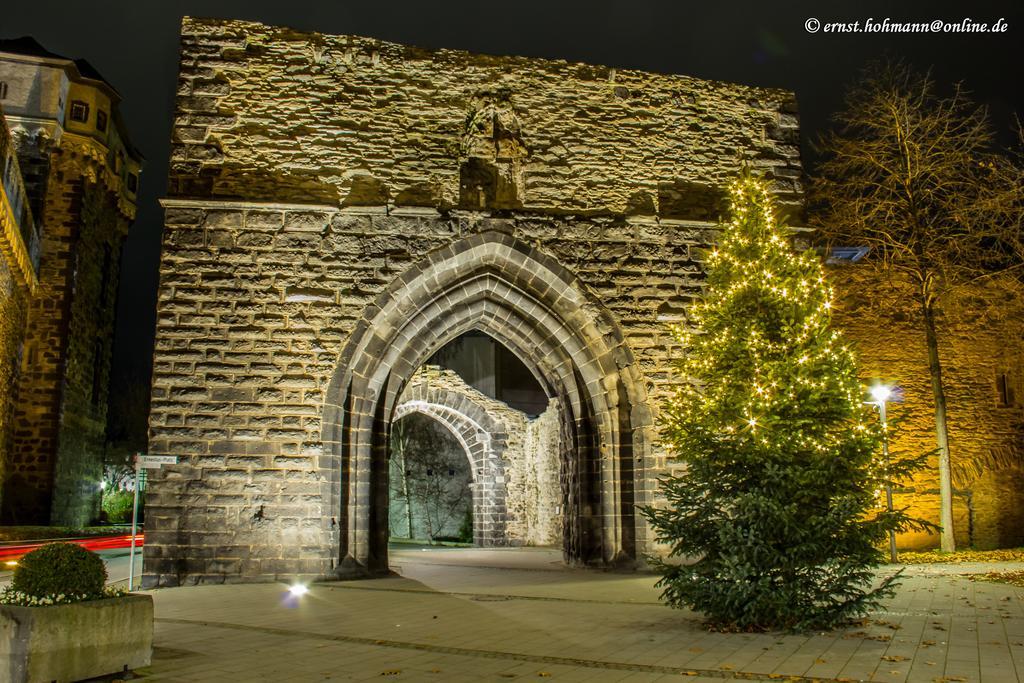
142,463
155,461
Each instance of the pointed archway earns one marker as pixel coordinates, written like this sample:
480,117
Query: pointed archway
523,298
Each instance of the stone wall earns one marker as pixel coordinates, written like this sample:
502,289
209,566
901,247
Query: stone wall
60,419
986,437
534,492
268,113
19,258
254,309
13,298
340,206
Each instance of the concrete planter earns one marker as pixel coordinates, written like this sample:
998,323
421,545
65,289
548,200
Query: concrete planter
71,642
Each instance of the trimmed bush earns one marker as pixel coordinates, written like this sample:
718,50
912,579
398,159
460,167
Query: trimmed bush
60,569
118,506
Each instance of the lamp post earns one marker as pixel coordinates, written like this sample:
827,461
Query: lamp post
881,393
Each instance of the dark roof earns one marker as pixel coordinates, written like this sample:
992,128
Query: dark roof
89,71
27,45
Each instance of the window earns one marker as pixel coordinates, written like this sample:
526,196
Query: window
79,111
1004,390
3,90
133,182
101,121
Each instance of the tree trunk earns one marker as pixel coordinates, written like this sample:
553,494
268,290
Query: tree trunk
946,542
399,444
405,491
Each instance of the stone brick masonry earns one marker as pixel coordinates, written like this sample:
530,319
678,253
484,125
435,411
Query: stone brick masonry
248,340
341,207
979,345
80,178
60,416
270,114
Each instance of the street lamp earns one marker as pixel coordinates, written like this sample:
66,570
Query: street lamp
881,393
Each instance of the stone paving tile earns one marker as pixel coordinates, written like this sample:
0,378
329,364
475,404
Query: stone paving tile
444,622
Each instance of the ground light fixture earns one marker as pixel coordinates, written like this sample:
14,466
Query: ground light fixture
292,596
881,394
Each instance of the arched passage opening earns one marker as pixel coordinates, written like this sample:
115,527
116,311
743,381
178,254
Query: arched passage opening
513,455
434,495
524,299
483,435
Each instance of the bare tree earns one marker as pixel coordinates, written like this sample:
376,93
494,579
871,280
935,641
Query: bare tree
430,472
917,178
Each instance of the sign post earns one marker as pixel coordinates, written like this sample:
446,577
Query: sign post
142,462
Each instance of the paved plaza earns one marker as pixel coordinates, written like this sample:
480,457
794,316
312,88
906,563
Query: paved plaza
502,615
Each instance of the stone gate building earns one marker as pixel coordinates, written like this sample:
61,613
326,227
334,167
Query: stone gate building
340,208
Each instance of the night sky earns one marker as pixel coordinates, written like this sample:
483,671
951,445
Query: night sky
134,45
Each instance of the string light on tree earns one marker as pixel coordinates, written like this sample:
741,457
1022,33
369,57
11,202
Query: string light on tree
782,456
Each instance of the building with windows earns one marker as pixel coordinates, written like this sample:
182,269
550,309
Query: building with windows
80,178
19,269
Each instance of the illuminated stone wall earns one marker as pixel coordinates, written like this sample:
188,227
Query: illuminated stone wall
340,205
55,465
12,324
986,437
19,258
272,114
535,479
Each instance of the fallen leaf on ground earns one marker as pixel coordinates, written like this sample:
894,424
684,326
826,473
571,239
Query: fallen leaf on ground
961,556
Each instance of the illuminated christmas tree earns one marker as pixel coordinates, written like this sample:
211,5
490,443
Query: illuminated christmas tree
776,514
